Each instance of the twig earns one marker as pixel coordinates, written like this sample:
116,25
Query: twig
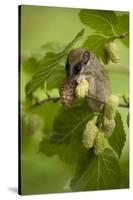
39,103
55,99
121,35
125,99
126,105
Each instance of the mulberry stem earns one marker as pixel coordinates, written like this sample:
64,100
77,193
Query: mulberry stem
55,99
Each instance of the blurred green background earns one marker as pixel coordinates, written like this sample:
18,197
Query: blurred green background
40,25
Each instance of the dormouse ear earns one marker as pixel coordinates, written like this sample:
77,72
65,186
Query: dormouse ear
86,57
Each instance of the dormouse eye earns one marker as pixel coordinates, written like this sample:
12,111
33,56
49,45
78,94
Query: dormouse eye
77,68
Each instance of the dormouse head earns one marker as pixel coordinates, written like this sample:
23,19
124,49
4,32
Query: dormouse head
77,62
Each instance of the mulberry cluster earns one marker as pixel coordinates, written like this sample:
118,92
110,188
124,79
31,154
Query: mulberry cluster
67,92
82,88
108,127
111,106
99,144
111,52
109,115
89,134
32,123
92,137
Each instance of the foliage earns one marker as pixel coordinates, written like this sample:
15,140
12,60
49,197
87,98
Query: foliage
46,65
118,138
66,142
49,66
66,139
97,172
107,26
96,44
100,21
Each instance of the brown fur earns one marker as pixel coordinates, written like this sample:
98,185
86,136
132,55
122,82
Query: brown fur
95,74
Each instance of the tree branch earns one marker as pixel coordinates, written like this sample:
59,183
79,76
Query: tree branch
124,105
55,99
122,35
39,103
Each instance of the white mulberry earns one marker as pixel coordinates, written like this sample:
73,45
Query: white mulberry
32,123
111,106
108,127
82,88
99,143
89,134
113,51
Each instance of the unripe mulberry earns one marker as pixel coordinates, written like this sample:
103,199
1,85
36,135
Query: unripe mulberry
111,106
113,51
67,92
89,134
108,127
99,143
82,89
32,123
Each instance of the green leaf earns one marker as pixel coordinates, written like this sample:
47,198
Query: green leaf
29,65
62,150
49,65
66,140
123,27
40,53
96,44
123,22
56,80
97,172
99,20
32,61
118,138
